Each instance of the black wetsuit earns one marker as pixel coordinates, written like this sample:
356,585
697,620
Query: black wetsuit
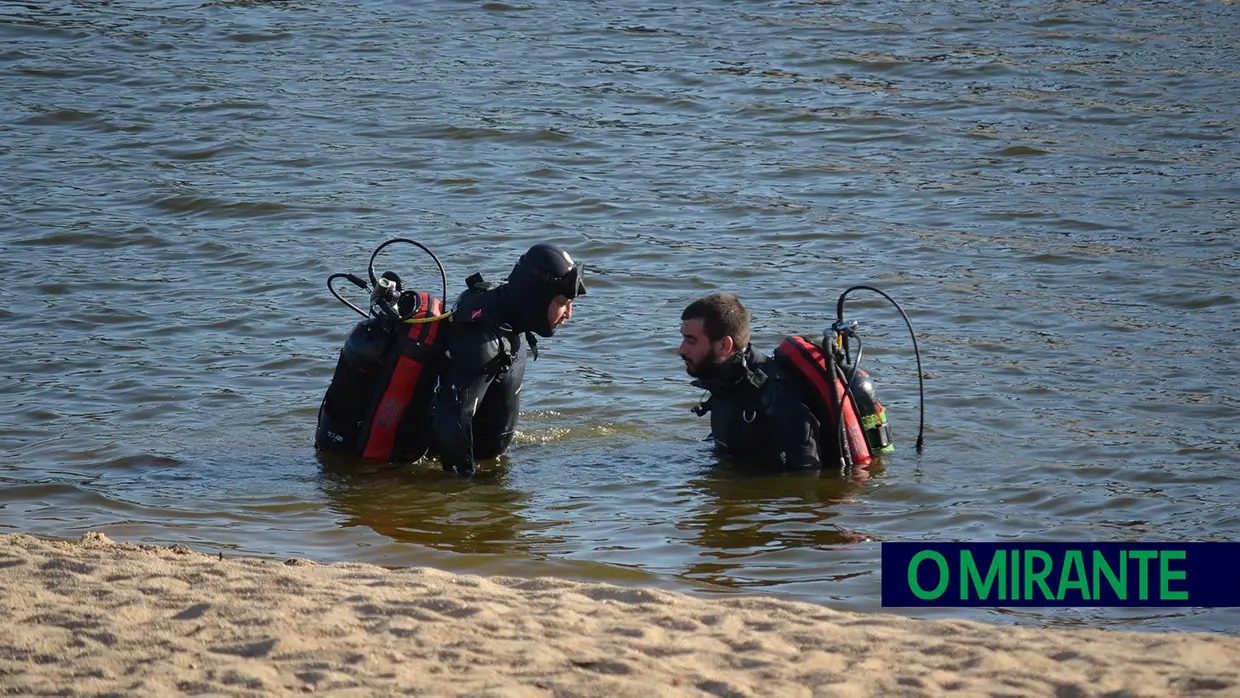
492,328
479,397
758,415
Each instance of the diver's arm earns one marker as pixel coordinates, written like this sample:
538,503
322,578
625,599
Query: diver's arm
462,386
495,420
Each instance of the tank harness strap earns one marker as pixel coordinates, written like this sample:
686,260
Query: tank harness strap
758,379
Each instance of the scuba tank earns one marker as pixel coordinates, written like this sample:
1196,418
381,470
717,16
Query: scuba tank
829,397
377,404
842,393
871,412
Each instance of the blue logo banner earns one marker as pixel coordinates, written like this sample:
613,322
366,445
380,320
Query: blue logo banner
1060,574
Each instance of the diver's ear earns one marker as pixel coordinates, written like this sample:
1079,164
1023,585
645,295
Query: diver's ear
726,346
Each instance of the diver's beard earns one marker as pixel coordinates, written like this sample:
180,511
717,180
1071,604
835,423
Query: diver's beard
706,368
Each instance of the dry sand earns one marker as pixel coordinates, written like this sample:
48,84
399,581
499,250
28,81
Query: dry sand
101,618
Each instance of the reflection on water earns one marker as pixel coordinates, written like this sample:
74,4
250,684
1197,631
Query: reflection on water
746,519
424,506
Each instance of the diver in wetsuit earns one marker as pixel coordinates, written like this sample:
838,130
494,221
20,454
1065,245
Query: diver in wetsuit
758,414
474,412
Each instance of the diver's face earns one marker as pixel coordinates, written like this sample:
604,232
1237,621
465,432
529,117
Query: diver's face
701,356
559,311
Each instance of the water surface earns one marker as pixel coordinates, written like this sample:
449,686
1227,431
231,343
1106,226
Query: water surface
1049,190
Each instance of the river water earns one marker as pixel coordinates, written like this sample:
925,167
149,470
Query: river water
1049,190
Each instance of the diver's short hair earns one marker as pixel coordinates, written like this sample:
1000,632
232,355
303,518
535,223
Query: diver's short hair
722,315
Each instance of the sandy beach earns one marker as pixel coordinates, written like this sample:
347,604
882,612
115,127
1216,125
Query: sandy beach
95,617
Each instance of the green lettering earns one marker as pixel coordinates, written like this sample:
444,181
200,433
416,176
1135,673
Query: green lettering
1166,575
1143,572
969,573
1038,577
1015,566
1073,563
944,576
1118,585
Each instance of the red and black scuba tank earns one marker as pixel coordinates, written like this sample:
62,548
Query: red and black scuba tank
842,412
843,395
377,404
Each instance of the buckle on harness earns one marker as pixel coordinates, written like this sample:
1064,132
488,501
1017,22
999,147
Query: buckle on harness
506,357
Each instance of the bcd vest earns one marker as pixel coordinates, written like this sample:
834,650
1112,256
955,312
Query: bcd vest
864,419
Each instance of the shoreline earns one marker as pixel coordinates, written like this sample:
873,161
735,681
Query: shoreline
96,617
